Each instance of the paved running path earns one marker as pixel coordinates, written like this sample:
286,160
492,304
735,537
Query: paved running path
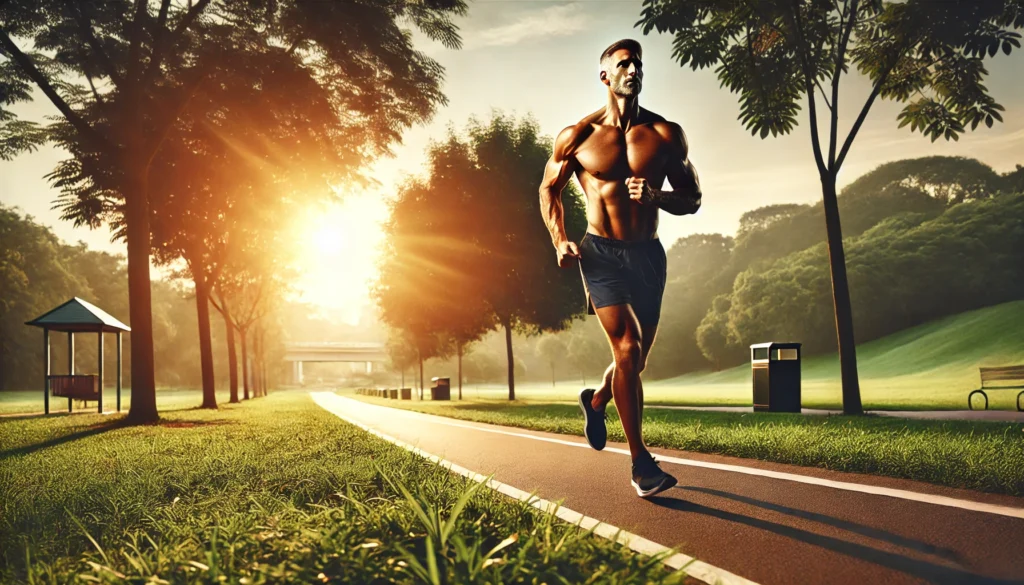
770,530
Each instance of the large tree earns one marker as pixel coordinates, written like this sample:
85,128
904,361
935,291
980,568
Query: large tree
120,73
775,53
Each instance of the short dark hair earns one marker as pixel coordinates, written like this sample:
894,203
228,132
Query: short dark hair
623,44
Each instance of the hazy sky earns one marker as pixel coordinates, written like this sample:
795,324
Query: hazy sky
540,57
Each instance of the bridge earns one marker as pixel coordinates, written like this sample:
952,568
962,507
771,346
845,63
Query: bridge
332,351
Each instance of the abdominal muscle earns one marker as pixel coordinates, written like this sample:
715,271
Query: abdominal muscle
612,214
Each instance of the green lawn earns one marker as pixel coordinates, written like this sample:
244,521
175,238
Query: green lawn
987,456
930,367
27,401
272,490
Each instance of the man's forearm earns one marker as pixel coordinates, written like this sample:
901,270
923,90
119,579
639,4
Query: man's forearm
553,212
678,201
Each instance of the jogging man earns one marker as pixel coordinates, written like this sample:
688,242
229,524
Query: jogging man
621,154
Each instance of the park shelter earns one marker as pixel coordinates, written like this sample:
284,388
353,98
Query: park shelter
78,316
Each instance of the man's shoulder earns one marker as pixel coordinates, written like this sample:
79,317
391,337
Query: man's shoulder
571,137
667,129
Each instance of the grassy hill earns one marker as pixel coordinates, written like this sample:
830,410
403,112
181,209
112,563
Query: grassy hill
933,365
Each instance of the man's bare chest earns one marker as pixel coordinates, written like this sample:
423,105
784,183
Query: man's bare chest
610,154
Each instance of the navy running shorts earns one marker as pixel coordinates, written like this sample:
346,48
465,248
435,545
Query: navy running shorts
617,272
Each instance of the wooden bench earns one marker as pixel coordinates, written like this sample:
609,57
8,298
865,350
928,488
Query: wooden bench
78,386
1000,374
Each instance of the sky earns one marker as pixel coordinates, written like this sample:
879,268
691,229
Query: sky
540,58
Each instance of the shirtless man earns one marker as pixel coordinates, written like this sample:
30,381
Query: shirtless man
621,154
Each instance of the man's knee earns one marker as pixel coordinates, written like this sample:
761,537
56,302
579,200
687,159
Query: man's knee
628,352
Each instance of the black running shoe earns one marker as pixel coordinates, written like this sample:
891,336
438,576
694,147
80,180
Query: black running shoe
594,428
648,478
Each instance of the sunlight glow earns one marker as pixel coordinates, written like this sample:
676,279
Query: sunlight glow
337,249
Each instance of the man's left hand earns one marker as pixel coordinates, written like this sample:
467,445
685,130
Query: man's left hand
639,190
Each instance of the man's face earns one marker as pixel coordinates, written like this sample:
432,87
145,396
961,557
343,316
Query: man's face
623,73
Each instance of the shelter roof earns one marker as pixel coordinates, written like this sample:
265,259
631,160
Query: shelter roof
78,315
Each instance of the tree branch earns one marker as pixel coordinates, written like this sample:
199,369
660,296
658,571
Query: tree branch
860,119
159,50
809,79
88,132
135,42
169,120
85,25
836,75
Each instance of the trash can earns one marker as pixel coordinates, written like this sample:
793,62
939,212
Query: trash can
442,388
775,370
406,393
393,393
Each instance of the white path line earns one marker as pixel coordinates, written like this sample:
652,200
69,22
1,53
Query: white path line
694,568
839,485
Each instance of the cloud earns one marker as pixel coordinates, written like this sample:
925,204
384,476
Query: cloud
560,20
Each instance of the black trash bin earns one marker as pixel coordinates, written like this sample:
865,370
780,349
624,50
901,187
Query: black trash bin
442,388
775,370
406,393
393,393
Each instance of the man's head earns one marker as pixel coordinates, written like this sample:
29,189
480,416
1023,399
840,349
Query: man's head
622,68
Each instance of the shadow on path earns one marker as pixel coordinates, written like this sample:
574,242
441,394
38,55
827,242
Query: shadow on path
921,569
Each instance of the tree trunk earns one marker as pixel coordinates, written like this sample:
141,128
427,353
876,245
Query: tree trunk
263,362
511,362
403,377
584,376
229,329
552,374
460,370
421,374
841,299
140,306
245,364
205,343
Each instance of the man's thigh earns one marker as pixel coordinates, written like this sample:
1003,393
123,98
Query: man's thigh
619,323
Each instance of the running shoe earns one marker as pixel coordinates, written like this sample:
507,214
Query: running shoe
648,478
594,427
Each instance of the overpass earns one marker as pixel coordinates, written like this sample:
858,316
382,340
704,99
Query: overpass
332,351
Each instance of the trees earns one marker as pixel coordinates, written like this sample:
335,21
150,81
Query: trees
774,53
120,74
521,283
465,251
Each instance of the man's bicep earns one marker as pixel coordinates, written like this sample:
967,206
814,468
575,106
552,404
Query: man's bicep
681,172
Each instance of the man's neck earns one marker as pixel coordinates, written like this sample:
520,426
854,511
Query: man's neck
622,111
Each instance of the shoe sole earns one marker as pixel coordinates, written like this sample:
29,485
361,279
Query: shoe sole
665,484
586,423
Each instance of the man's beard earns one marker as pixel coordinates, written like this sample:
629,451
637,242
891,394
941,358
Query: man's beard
627,90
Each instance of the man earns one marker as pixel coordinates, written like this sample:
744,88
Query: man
621,154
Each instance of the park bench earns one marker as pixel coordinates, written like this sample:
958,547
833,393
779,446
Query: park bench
77,386
1000,374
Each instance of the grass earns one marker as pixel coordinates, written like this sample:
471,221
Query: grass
273,490
930,367
986,456
31,401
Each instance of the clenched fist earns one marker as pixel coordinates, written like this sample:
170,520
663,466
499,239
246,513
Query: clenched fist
639,190
566,251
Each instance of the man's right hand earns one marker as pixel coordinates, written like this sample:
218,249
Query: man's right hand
567,251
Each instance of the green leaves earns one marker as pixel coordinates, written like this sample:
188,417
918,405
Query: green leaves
773,52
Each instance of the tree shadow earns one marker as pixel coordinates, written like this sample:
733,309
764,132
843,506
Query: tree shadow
926,570
86,432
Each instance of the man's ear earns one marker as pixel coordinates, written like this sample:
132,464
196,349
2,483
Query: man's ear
604,77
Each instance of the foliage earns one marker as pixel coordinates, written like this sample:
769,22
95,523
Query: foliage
907,270
467,251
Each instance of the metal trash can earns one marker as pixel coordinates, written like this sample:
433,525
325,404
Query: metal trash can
393,393
442,388
406,393
775,370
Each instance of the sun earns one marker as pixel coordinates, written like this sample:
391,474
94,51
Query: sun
337,250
